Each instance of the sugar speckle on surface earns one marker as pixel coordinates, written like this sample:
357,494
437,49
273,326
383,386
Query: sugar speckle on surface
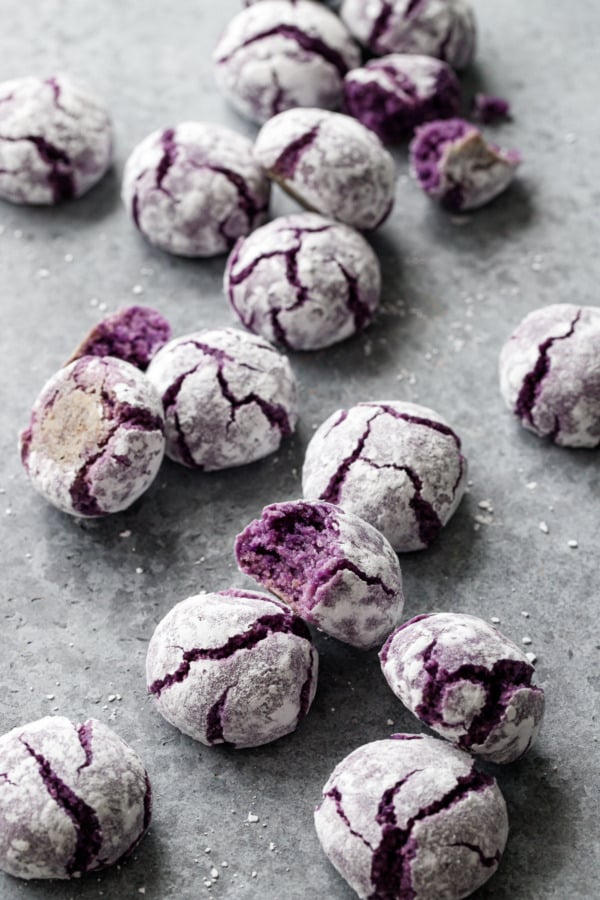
572,544
544,528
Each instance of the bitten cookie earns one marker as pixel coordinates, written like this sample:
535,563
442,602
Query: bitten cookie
73,799
468,682
232,667
133,334
410,818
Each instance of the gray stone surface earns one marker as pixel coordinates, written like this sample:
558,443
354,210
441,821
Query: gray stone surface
79,600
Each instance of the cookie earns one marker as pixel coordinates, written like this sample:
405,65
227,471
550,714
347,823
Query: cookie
133,334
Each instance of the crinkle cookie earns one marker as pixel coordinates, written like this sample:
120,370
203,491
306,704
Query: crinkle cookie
468,682
229,398
133,334
550,374
397,465
56,140
303,281
411,818
394,94
233,667
73,799
95,440
280,54
454,164
333,568
329,163
193,190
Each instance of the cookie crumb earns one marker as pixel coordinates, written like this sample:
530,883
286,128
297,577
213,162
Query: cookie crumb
252,817
526,640
544,528
573,544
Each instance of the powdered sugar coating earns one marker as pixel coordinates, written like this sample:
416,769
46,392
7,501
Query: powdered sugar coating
133,334
329,163
410,818
95,440
468,682
233,667
193,190
397,465
73,799
229,398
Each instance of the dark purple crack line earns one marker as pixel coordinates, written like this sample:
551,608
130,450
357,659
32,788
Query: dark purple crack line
274,413
236,278
214,720
487,861
306,688
309,43
60,181
428,521
169,400
360,311
400,81
84,735
4,779
287,162
341,565
335,795
380,24
278,96
167,140
332,492
248,201
414,7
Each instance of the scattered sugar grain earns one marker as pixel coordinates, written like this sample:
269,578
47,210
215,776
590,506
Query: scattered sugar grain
495,620
531,485
137,289
544,528
526,640
573,544
252,817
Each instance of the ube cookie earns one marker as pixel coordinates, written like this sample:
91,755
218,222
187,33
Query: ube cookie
550,376
96,439
229,398
232,667
280,54
468,682
73,799
303,281
133,334
411,818
397,465
193,190
329,163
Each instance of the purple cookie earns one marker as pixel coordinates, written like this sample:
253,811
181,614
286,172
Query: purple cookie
334,569
329,163
441,28
468,682
397,465
550,376
411,818
95,440
281,54
303,281
56,140
73,799
233,667
229,398
133,334
394,94
193,190
453,163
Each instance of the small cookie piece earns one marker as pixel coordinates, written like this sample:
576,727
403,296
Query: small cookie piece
303,281
410,818
397,465
133,334
232,667
468,682
329,163
193,190
73,799
489,109
95,440
56,140
229,398
280,54
549,374
454,164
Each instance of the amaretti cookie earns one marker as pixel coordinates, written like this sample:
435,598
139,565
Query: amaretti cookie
279,54
193,190
411,818
333,568
229,398
133,334
329,163
232,667
303,281
56,140
96,439
73,799
468,682
550,374
397,465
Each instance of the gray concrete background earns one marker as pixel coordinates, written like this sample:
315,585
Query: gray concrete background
76,615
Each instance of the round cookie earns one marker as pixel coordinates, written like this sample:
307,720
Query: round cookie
193,190
468,682
329,163
56,140
232,667
229,398
397,465
550,374
133,334
303,281
73,799
95,440
410,818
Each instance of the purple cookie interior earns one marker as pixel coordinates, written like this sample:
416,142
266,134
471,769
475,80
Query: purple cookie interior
428,148
133,334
